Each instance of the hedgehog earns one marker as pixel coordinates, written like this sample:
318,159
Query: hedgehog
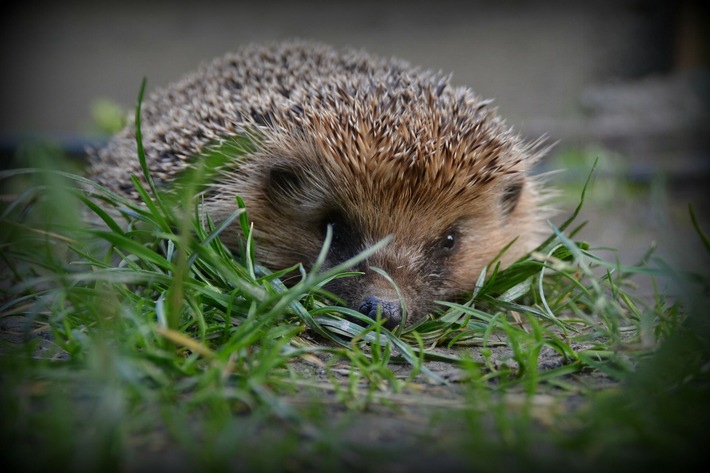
366,146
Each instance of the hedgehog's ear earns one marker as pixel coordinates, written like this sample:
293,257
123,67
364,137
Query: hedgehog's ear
511,194
283,185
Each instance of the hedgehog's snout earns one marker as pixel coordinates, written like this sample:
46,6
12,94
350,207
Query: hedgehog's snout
391,311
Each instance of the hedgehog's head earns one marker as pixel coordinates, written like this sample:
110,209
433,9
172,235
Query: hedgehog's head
439,174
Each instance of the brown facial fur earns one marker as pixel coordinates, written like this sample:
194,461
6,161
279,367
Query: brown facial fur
371,147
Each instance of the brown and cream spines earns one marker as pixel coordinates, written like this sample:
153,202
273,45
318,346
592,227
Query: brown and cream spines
372,147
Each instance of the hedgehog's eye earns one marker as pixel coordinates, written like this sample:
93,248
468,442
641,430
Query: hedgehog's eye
345,241
447,242
338,223
511,195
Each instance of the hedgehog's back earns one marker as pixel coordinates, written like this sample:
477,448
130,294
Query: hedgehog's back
253,87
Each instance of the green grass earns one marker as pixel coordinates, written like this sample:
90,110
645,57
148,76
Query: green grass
144,340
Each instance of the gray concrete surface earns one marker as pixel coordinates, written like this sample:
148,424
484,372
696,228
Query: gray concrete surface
535,58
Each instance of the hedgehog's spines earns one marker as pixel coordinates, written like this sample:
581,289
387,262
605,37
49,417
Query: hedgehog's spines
388,148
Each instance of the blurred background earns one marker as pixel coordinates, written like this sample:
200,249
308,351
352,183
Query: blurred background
621,81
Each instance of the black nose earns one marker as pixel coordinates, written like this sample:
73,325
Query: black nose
391,311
